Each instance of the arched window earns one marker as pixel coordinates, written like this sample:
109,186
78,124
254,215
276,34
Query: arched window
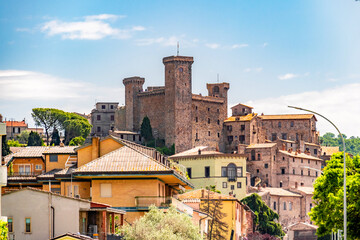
216,89
231,172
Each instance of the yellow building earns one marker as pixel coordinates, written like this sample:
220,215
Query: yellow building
237,216
227,172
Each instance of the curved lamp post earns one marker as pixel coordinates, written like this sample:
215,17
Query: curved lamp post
342,139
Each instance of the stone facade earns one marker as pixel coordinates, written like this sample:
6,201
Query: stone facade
103,118
176,115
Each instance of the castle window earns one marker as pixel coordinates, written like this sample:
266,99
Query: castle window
218,122
189,172
195,107
98,129
253,155
284,205
302,173
316,174
273,137
103,106
209,133
279,124
283,158
291,123
196,119
218,134
257,170
315,151
181,69
294,171
242,138
209,120
308,161
284,136
207,172
98,117
242,128
208,109
217,110
290,206
196,136
282,170
274,205
216,89
309,173
230,139
266,165
259,157
112,118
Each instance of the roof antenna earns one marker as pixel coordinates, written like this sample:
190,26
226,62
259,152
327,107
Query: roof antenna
218,78
177,48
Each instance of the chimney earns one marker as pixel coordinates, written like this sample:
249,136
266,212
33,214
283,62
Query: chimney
62,144
95,148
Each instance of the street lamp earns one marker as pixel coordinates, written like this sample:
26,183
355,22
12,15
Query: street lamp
342,139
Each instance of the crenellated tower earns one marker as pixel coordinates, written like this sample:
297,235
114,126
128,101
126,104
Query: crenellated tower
133,85
178,100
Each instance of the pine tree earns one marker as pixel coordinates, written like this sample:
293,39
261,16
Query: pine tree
34,139
55,138
5,147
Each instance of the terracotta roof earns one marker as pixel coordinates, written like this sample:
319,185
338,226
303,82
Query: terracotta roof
124,159
126,132
248,117
299,155
261,145
16,123
195,151
203,194
73,235
329,150
312,144
240,104
49,174
302,226
15,149
287,116
278,192
306,190
33,151
58,149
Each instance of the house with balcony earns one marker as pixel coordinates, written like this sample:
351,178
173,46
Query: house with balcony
37,214
227,172
14,128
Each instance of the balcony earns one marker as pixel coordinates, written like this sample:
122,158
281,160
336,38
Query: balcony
25,174
147,201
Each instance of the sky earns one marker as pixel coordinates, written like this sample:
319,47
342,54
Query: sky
71,54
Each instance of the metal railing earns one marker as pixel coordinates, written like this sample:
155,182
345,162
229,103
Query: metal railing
146,201
25,174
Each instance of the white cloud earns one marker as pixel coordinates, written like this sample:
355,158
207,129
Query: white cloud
212,45
92,28
287,76
170,41
239,45
258,69
339,104
265,44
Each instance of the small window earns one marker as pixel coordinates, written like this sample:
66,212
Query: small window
279,124
10,225
308,161
253,155
224,184
223,171
294,171
242,127
273,137
207,172
291,123
284,205
302,173
308,172
111,106
284,136
53,158
310,206
98,117
196,107
217,110
239,171
209,133
218,135
239,185
266,165
259,157
230,139
196,136
257,170
315,151
196,119
301,160
105,190
290,206
282,170
209,120
283,158
181,69
293,159
281,184
98,129
274,205
38,167
316,174
232,187
189,172
102,106
208,109
28,225
112,118
218,122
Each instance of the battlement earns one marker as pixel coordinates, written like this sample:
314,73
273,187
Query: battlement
134,80
178,59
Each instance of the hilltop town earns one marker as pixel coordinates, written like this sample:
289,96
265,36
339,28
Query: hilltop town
114,177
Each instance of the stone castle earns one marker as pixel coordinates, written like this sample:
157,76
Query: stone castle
176,114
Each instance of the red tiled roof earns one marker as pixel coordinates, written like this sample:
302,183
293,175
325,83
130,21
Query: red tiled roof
15,123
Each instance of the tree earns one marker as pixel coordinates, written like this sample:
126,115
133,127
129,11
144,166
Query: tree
49,118
3,230
328,197
264,216
23,137
5,147
352,144
14,143
55,138
218,228
35,139
157,225
146,130
77,141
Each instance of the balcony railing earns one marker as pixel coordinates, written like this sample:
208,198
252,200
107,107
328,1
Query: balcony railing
24,174
146,201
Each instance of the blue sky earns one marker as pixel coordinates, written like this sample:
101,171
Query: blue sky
69,54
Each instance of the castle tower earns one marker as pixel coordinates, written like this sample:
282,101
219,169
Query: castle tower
219,90
178,100
133,85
